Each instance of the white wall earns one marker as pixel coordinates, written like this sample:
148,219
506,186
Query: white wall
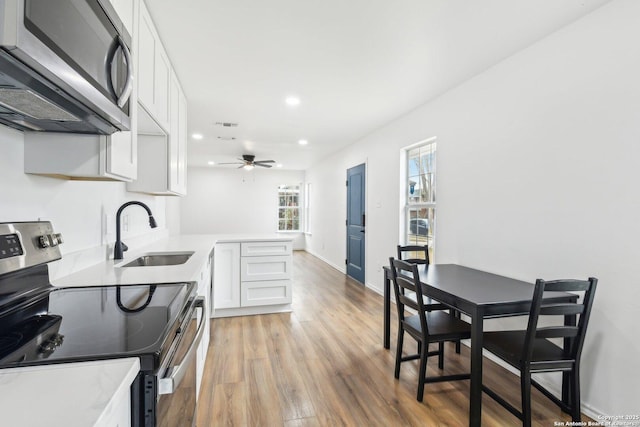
76,208
538,169
225,201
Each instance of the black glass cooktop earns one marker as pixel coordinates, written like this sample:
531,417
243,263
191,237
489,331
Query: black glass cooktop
73,324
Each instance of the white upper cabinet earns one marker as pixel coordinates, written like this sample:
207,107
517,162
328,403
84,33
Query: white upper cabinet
81,157
162,161
125,10
154,70
162,123
177,138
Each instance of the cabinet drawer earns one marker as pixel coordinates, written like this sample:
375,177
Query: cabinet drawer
265,268
266,248
266,292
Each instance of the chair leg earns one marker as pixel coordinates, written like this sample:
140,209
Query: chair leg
575,394
457,314
423,371
525,390
399,351
441,355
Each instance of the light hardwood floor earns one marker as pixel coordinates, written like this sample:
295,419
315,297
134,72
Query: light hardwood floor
324,365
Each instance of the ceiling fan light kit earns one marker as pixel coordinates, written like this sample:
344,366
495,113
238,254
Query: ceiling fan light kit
248,162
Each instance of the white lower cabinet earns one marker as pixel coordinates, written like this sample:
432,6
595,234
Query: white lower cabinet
252,277
204,290
226,275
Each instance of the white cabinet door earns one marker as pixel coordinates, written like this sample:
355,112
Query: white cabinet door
267,292
78,156
182,145
122,151
177,139
266,268
154,70
161,86
204,290
226,275
124,9
146,59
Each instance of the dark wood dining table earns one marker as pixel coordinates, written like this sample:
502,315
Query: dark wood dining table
479,295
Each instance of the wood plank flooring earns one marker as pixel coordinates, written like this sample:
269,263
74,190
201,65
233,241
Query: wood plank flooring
324,365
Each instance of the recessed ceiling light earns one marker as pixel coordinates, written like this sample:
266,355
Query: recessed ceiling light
292,101
197,136
211,162
303,142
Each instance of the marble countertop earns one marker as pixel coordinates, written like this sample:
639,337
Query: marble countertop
65,395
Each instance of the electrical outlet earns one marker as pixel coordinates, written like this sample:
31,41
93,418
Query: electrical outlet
125,222
107,228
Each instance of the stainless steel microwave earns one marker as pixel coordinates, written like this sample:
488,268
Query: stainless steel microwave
65,66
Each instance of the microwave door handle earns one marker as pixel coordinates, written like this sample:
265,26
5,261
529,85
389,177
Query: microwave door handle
128,87
168,385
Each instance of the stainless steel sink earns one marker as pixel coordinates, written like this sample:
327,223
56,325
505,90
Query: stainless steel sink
160,259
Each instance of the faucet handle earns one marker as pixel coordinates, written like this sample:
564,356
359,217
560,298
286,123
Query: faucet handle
124,247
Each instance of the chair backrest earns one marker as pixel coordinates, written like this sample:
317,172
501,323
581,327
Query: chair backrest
414,254
405,277
574,332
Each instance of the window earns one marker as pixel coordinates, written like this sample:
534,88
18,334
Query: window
289,208
420,204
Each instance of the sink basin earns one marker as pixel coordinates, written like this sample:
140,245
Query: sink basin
160,259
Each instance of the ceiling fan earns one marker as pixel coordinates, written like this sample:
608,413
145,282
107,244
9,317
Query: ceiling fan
248,162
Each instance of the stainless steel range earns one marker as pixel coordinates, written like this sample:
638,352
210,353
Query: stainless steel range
161,324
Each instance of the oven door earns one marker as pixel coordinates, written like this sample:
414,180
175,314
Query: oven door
176,404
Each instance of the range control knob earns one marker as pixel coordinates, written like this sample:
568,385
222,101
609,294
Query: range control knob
44,241
58,237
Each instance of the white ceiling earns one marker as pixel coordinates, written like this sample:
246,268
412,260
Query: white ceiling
356,65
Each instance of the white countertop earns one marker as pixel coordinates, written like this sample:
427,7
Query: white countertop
65,395
112,273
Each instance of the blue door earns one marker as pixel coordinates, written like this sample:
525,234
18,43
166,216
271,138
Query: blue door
355,222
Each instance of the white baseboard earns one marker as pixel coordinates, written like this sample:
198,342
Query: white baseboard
326,261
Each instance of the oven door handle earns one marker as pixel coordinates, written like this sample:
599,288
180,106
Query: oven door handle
168,385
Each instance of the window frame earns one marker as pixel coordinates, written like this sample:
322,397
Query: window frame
293,188
407,206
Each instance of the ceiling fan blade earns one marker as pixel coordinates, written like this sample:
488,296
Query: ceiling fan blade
265,161
232,163
261,165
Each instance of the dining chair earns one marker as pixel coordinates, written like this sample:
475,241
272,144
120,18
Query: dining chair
425,326
419,254
531,350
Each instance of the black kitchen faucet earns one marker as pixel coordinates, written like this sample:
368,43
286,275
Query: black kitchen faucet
120,247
